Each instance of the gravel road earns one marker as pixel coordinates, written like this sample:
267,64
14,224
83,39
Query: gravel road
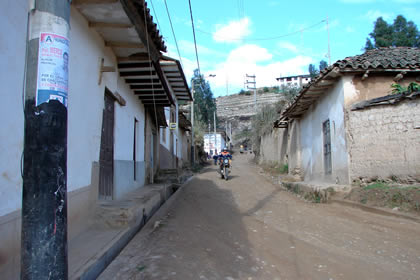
248,228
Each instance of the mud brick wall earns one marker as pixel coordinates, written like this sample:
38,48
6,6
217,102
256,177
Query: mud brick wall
384,141
273,147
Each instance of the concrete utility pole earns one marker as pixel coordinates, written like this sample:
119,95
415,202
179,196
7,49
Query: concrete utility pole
329,50
253,86
192,125
215,136
44,191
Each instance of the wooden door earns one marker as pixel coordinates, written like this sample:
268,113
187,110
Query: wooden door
106,157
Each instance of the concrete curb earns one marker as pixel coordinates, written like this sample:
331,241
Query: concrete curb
96,265
375,210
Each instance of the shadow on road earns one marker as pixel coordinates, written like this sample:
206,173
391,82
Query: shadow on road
260,204
201,237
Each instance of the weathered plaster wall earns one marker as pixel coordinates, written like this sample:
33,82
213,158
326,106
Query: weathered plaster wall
86,102
85,105
186,148
273,147
376,85
329,107
294,148
384,141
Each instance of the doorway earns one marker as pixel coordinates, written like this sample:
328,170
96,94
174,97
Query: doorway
106,156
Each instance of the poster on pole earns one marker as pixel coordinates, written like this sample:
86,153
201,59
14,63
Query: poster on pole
53,60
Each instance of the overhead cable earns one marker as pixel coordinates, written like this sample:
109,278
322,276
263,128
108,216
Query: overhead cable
195,41
173,33
266,38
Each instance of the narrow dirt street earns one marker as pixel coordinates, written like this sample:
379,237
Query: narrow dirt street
247,228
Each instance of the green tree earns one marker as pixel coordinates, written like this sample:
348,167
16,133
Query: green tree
322,65
401,33
313,72
204,102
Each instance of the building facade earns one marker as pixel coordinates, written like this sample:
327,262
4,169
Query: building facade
294,81
118,89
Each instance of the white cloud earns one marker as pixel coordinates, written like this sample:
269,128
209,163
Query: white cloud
288,46
253,59
234,31
373,15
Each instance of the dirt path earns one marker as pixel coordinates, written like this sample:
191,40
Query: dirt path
247,228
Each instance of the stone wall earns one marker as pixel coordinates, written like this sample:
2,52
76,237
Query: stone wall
384,141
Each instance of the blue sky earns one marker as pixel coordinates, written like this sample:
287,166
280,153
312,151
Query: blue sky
238,37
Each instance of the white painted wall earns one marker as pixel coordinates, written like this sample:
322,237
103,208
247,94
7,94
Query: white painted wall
330,106
165,130
13,22
86,102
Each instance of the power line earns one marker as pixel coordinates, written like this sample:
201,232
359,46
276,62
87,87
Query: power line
173,33
195,41
266,38
153,8
150,65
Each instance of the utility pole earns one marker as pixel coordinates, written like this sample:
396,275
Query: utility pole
192,124
44,190
329,51
215,136
226,131
230,133
253,86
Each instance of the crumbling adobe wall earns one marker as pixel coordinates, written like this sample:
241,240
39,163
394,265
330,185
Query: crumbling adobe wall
273,147
384,141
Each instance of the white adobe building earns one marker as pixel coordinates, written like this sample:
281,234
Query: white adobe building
132,92
295,81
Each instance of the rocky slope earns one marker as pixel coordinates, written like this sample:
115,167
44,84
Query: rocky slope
238,109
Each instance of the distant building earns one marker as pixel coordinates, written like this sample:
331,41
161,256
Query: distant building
214,143
296,81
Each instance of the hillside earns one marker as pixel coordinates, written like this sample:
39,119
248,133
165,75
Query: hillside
238,109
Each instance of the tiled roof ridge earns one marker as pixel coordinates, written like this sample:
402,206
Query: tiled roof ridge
380,58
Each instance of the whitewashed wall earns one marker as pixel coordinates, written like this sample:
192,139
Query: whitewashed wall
330,106
86,103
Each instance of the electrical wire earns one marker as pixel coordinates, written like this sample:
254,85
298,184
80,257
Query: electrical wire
266,38
173,33
157,20
150,64
195,41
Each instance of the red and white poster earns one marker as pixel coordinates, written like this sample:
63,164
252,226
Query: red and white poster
53,60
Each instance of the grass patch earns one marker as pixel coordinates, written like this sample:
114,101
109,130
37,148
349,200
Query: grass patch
196,168
377,185
283,169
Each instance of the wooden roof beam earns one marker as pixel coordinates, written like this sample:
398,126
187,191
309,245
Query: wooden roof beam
90,2
129,45
110,25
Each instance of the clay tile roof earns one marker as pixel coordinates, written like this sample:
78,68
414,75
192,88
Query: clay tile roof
151,26
390,58
385,58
